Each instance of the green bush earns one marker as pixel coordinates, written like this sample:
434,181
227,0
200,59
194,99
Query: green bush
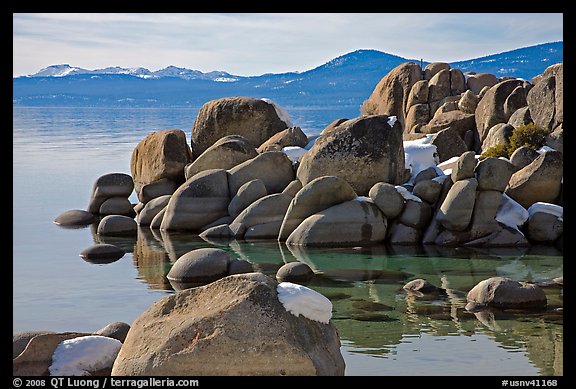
528,135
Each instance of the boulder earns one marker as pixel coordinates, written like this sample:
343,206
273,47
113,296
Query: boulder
362,151
387,199
292,136
254,119
484,214
235,326
468,102
544,227
555,139
90,355
434,68
200,266
270,208
221,231
427,190
457,82
491,108
274,168
503,237
117,225
102,253
155,189
476,82
455,212
151,209
109,185
401,234
418,94
390,95
117,330
420,285
74,218
545,99
539,181
522,157
449,143
416,214
239,266
21,339
457,120
418,114
246,195
162,154
493,174
515,101
317,195
293,188
297,272
156,222
464,167
520,118
439,85
332,126
202,199
505,293
351,223
499,133
426,175
36,358
116,206
225,153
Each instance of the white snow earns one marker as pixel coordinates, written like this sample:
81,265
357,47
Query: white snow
282,114
392,120
311,140
300,300
440,179
552,209
294,153
511,213
419,155
406,194
365,199
225,79
544,149
79,356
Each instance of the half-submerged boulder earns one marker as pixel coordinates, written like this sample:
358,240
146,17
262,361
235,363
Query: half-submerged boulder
234,326
505,293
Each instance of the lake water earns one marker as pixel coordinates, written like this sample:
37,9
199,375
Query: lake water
58,153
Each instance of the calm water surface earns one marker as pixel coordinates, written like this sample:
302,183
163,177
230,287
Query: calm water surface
58,153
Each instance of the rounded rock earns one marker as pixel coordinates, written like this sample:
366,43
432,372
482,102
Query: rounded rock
117,330
74,218
505,293
238,266
200,266
102,253
117,225
296,272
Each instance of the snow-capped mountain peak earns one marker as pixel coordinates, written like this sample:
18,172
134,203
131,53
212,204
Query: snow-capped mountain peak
59,71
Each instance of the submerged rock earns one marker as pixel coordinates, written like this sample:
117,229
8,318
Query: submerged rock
505,293
74,218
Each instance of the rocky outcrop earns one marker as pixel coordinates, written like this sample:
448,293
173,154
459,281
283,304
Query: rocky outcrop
161,155
225,153
254,119
362,151
234,326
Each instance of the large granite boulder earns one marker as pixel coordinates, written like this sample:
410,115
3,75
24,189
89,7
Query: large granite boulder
455,212
254,119
225,153
246,195
200,266
273,168
546,98
362,151
387,198
235,326
267,209
477,82
351,223
539,181
390,96
317,195
457,120
491,108
151,209
162,154
493,174
199,201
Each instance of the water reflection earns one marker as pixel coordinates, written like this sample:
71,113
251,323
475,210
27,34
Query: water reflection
374,316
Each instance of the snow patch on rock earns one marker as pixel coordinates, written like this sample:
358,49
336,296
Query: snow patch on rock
300,300
82,355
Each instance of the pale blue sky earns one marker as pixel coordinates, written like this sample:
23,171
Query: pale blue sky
257,43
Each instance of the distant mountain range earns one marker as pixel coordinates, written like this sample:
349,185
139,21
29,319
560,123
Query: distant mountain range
344,81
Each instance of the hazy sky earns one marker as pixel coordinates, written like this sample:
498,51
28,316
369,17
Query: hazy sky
257,43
